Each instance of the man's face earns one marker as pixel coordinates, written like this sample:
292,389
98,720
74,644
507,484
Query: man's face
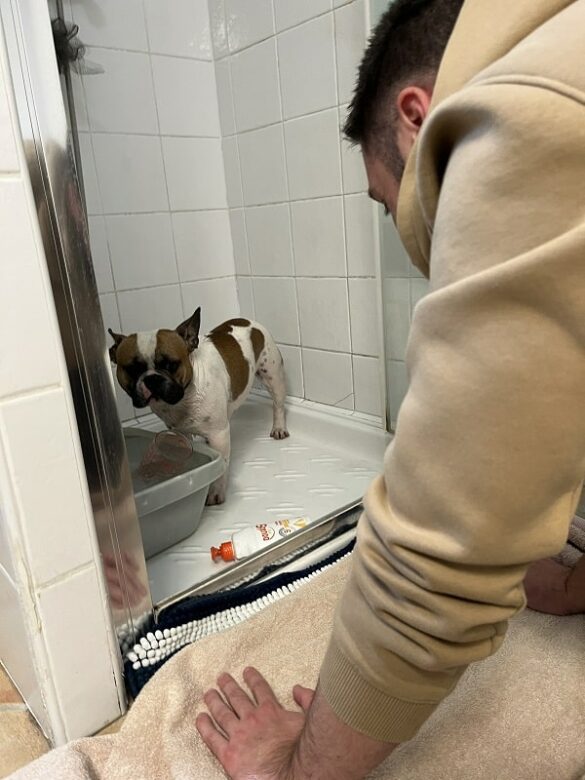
411,109
383,186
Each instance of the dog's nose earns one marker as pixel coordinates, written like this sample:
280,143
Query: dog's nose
153,382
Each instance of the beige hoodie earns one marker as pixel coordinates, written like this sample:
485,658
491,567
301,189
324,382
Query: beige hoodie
489,454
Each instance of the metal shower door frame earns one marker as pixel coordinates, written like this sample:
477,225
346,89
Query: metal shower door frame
64,229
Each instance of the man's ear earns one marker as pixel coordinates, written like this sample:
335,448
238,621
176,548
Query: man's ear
118,339
189,330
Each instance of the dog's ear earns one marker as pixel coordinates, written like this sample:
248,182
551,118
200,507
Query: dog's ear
189,330
118,339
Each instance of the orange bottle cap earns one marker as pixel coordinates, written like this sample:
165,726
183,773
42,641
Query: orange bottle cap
225,552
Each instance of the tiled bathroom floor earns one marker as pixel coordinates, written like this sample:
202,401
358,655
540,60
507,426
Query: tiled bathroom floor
21,740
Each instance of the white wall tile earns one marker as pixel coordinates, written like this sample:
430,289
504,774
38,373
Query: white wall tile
306,57
9,161
338,3
233,176
16,651
419,288
347,403
112,23
142,251
359,227
182,30
24,312
396,294
6,558
240,242
43,465
248,23
318,237
313,156
327,376
131,173
354,172
204,186
111,319
120,100
150,309
324,313
203,241
289,13
255,86
90,181
223,79
350,41
246,297
276,308
263,167
110,315
87,699
186,96
269,240
393,256
217,20
218,299
293,369
397,386
366,380
100,254
363,311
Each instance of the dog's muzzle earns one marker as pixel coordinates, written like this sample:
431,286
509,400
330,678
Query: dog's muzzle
156,386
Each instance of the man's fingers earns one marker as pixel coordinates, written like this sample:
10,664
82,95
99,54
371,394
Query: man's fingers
259,687
214,740
303,696
237,698
223,715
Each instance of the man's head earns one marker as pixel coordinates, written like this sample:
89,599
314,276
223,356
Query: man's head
395,86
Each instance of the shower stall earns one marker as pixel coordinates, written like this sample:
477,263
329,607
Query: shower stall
189,154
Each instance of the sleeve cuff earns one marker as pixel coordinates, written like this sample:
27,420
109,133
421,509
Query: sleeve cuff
364,707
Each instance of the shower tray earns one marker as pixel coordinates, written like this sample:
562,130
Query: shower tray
321,471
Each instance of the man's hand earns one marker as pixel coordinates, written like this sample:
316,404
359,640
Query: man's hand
252,738
556,589
257,739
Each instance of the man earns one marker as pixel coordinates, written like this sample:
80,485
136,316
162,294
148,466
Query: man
488,460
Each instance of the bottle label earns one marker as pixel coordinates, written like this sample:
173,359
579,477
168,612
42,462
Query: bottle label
266,532
283,528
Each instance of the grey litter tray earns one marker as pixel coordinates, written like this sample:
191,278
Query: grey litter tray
170,510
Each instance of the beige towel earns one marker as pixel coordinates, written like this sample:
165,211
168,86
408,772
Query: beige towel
518,716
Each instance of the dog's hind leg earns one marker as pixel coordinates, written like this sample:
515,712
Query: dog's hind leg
270,371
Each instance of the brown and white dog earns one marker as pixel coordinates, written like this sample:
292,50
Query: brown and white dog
196,387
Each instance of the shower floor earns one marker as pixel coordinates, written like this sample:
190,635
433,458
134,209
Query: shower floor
325,465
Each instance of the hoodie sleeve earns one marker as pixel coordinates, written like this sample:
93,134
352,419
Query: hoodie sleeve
485,470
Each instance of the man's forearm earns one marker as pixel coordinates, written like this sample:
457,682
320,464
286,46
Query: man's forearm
329,750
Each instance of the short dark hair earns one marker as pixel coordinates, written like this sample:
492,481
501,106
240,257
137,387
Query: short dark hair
409,41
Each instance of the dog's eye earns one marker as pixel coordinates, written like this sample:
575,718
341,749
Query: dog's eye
170,366
136,369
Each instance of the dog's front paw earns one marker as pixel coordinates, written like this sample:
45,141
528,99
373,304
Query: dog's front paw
279,433
215,497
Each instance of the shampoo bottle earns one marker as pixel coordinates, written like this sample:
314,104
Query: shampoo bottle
251,540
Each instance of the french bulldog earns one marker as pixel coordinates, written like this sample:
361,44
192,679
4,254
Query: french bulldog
195,386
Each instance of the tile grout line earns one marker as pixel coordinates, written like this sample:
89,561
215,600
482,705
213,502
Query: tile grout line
160,137
289,208
248,131
229,61
344,213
